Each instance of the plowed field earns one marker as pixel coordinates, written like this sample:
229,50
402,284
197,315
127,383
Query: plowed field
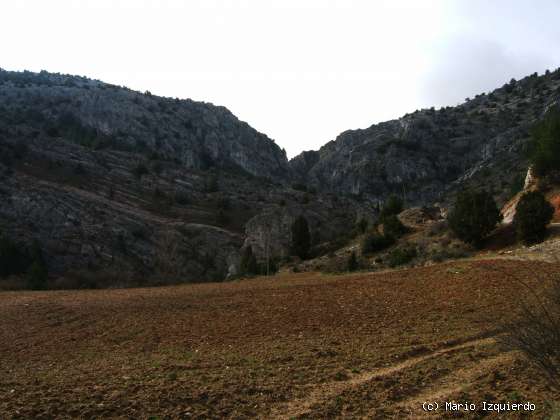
302,345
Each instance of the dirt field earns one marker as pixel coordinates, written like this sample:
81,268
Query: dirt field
307,345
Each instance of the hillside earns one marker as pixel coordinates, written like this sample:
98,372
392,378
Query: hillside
120,187
100,116
125,188
426,155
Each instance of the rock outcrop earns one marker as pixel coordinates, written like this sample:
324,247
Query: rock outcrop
105,178
427,155
102,116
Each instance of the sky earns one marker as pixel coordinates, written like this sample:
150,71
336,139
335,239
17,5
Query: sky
300,71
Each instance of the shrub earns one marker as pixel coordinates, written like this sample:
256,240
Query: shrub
301,238
446,254
536,331
400,256
393,205
362,225
532,215
375,242
248,265
37,276
474,216
14,259
392,226
352,264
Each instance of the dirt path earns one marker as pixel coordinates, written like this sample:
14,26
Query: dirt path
452,384
325,392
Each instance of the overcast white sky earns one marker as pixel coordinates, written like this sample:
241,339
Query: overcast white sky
301,71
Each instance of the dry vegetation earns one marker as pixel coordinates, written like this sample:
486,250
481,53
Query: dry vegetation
300,345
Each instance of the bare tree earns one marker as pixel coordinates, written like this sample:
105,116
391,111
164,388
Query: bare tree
535,331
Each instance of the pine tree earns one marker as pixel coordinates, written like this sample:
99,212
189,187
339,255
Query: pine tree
532,214
545,155
393,206
474,216
248,265
392,226
352,264
37,276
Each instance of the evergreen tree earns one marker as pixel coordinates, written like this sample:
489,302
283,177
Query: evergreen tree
362,225
474,216
545,154
352,264
532,214
13,258
374,242
393,205
301,238
37,276
392,226
248,265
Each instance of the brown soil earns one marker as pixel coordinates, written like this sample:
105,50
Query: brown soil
301,345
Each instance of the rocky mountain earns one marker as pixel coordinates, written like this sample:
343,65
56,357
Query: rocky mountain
131,186
101,116
137,188
426,155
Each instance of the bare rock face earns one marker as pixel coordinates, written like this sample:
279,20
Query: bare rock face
89,212
329,218
428,155
199,135
106,178
154,188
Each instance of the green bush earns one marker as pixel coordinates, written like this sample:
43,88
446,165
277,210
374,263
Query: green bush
248,265
532,214
393,205
392,226
37,276
352,264
400,256
375,242
474,216
14,259
362,225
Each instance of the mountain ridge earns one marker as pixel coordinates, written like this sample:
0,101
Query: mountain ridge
364,161
109,180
